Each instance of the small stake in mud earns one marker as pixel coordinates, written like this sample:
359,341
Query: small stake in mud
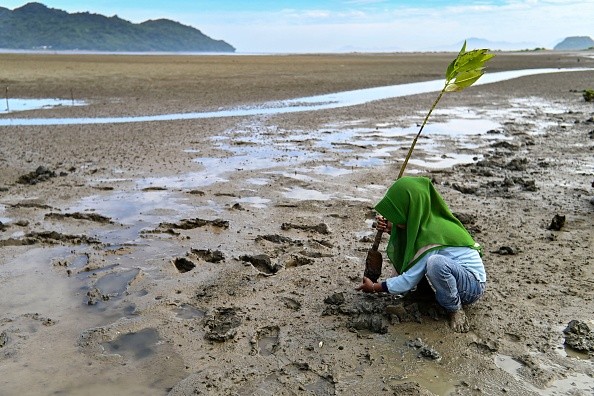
7,108
461,73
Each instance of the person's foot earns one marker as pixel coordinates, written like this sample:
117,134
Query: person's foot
459,322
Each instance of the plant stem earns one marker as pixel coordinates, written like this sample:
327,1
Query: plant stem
412,147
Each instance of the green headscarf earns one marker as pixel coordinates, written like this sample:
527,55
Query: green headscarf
413,201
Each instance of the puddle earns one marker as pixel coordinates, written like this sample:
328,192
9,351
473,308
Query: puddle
537,105
258,181
35,286
44,318
116,283
4,220
262,149
133,346
256,202
444,161
186,311
13,105
312,103
303,194
570,352
326,170
136,207
363,162
266,149
574,383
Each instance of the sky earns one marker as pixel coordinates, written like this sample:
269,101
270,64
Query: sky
308,26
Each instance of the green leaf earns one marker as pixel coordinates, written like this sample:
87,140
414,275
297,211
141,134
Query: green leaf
466,79
450,70
466,69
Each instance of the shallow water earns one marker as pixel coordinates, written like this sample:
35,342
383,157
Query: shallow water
311,103
13,105
576,382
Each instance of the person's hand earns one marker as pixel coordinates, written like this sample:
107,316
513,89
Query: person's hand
382,224
367,286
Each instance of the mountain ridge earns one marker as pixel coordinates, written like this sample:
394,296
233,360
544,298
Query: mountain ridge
575,43
36,26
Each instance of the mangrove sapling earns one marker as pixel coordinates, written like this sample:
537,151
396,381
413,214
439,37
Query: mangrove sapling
461,73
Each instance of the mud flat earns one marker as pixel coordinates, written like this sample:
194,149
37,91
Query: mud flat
220,255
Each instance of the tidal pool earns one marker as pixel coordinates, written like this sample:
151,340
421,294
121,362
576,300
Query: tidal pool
311,103
13,105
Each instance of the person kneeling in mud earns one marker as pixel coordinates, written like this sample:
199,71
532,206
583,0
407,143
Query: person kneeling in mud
426,239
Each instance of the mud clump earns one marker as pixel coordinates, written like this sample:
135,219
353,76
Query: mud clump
506,251
279,239
298,261
557,223
40,174
221,324
465,218
465,189
411,389
80,216
578,336
517,164
335,299
321,228
376,312
210,256
189,224
425,351
50,237
374,323
95,296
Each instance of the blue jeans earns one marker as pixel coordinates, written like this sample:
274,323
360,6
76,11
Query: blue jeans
454,285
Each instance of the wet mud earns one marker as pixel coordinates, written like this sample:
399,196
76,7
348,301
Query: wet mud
221,256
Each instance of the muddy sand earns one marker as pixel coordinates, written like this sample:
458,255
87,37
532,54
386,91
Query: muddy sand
219,255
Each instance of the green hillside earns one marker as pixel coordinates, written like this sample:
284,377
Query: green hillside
35,26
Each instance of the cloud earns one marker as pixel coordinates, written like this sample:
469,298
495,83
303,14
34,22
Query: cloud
379,24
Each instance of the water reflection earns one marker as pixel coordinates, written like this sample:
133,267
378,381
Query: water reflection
311,103
13,105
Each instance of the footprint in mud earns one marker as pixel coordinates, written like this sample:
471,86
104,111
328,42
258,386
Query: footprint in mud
266,341
262,263
183,265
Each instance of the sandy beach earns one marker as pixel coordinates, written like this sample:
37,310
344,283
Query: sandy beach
219,254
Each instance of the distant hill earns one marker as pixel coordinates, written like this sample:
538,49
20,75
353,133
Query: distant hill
575,43
35,26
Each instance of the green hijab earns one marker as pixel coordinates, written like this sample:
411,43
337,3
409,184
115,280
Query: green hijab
413,201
